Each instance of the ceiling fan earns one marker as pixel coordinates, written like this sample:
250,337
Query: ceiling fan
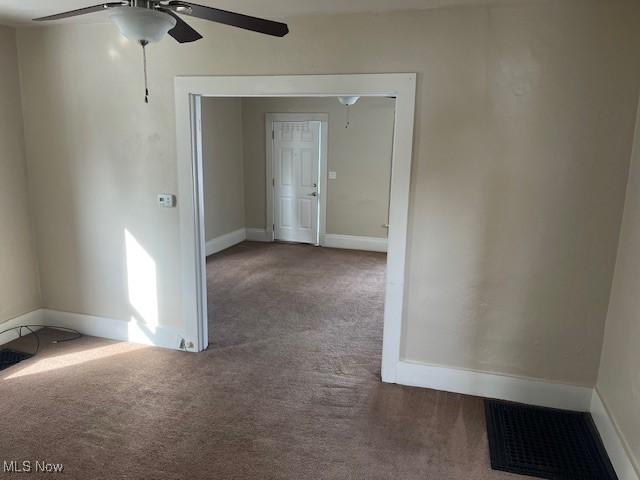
146,21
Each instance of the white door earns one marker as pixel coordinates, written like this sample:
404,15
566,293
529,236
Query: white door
296,161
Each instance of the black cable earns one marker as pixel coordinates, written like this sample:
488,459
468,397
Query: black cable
30,327
35,335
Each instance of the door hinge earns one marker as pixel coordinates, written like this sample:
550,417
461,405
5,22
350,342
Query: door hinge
273,227
273,182
273,135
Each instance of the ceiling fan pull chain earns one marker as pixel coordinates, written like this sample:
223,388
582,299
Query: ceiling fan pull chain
144,61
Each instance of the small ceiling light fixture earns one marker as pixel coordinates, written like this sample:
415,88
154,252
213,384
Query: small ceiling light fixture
143,25
348,102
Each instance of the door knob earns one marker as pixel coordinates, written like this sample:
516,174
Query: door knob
314,194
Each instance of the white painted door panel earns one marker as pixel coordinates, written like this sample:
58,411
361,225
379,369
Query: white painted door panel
296,155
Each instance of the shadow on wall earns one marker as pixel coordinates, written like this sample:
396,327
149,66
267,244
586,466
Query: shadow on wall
515,329
522,287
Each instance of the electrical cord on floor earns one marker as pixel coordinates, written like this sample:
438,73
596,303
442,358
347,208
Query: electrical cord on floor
76,334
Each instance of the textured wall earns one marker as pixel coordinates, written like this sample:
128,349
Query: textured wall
524,122
222,158
619,378
358,199
19,288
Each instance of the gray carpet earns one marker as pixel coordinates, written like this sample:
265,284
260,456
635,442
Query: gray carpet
289,388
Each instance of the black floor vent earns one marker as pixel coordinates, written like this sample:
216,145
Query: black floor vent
11,357
545,443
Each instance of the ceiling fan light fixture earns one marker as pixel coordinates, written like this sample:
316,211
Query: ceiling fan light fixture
348,101
142,25
147,21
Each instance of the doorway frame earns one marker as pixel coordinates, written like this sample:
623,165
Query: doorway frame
323,118
188,94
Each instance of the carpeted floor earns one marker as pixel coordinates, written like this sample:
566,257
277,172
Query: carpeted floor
288,389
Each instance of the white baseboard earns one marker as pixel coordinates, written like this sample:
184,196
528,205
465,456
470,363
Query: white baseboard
330,240
258,235
32,318
532,392
225,241
116,329
489,385
614,442
351,242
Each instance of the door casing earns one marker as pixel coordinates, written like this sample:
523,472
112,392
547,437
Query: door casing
188,94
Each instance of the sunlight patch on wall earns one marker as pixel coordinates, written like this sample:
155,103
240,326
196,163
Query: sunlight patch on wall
142,281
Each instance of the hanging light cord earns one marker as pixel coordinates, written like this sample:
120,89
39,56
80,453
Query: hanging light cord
144,61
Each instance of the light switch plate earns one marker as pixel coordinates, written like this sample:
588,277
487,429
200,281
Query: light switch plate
333,175
166,200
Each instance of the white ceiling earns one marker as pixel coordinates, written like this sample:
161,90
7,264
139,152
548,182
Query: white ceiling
20,12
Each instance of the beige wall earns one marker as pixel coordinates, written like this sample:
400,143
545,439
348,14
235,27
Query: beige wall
222,158
524,122
358,199
19,288
619,378
234,130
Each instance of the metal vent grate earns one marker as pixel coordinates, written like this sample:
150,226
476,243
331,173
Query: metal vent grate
545,443
11,357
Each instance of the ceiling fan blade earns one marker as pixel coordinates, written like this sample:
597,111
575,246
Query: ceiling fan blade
182,32
255,24
82,11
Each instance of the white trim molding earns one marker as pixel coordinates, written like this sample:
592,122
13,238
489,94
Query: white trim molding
491,385
34,317
352,242
95,326
189,91
111,328
225,241
191,215
614,442
532,392
258,235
